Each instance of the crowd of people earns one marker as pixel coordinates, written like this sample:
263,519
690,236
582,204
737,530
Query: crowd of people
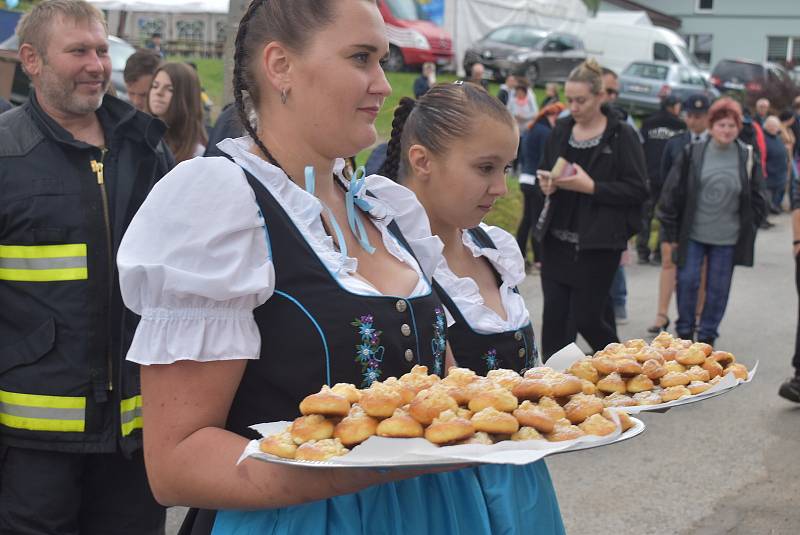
194,300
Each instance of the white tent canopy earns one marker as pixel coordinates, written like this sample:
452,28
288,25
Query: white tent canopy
163,6
469,20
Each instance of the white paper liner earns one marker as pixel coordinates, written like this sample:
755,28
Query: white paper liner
387,452
565,357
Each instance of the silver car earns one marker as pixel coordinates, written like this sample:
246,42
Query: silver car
643,84
539,55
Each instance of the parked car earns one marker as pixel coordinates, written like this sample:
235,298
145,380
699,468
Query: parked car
413,40
617,45
119,50
540,55
750,77
643,84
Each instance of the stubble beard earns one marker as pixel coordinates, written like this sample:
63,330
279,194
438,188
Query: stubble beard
63,94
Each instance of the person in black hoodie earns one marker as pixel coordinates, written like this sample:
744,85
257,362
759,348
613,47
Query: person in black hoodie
656,131
591,211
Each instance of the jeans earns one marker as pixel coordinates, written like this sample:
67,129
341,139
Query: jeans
718,286
619,290
648,211
796,358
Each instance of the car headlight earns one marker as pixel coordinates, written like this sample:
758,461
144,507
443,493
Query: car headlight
518,58
419,40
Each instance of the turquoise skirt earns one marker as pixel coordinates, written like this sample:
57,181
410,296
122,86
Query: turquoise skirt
489,499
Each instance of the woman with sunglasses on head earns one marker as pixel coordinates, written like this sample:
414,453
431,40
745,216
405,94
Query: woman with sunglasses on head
453,148
270,270
592,209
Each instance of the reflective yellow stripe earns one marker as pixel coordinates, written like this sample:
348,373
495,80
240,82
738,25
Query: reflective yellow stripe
42,251
131,414
37,412
43,263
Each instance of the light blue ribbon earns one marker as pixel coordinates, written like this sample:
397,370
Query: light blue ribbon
351,201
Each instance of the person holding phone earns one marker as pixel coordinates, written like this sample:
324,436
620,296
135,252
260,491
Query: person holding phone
595,194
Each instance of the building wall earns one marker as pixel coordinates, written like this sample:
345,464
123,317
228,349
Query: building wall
739,27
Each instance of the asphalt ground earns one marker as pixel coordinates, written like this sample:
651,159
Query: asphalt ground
728,465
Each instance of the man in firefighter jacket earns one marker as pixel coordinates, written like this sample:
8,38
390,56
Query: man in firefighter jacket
75,165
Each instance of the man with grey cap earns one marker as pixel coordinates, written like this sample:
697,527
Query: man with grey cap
695,109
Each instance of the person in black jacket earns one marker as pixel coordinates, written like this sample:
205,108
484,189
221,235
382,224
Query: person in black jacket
656,131
591,211
5,105
75,165
790,389
710,209
425,80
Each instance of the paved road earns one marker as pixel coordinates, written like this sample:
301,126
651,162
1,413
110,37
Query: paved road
729,465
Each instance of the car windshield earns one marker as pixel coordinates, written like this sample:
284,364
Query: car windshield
647,70
734,69
517,35
687,57
405,10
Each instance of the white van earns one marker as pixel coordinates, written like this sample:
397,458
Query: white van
617,45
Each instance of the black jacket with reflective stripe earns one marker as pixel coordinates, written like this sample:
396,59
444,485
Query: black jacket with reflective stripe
64,331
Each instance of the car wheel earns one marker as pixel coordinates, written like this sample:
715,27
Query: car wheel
395,61
532,73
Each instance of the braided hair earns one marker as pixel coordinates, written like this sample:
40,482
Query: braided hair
446,113
292,23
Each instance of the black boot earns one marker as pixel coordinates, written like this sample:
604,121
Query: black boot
709,341
685,336
791,389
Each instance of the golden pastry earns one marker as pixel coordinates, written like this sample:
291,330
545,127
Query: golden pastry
663,340
533,389
653,369
635,344
588,387
713,368
564,385
526,433
490,420
400,425
499,398
418,378
380,401
459,376
551,408
673,366
597,425
530,415
647,353
581,406
477,386
640,383
705,348
564,430
320,450
585,370
429,404
723,357
624,420
538,372
281,445
612,383
614,348
406,392
698,387
668,354
479,438
739,370
696,373
691,356
647,398
448,428
347,391
604,365
311,427
355,428
461,394
507,379
325,402
674,392
675,379
464,413
619,400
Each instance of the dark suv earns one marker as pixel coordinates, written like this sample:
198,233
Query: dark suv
749,77
540,55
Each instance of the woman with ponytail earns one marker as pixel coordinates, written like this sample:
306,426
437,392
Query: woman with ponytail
453,149
589,214
270,271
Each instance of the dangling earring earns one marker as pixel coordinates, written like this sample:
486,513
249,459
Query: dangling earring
284,96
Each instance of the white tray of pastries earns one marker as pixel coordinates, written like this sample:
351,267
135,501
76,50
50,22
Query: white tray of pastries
422,420
636,376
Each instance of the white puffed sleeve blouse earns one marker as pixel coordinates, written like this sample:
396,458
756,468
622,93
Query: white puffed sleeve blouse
195,261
